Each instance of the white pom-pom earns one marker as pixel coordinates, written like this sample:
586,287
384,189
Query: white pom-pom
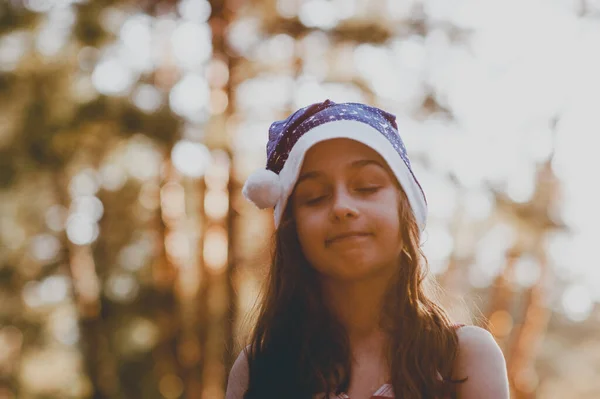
263,188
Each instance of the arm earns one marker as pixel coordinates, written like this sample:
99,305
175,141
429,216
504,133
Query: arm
238,378
481,360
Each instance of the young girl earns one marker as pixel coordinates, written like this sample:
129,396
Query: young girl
345,313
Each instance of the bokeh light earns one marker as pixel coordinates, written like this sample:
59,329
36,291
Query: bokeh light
126,134
112,77
190,158
577,302
189,98
81,229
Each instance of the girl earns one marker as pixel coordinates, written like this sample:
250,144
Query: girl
345,313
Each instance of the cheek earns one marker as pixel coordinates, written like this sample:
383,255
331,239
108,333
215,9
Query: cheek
387,223
310,232
388,231
387,212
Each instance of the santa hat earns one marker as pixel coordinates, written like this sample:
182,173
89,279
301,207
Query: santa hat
289,140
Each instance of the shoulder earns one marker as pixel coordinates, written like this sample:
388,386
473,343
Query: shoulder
481,361
237,383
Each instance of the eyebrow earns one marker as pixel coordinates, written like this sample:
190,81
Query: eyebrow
354,165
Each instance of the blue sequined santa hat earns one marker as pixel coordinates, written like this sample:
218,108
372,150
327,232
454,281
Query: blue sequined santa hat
290,138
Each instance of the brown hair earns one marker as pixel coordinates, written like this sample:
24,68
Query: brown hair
298,348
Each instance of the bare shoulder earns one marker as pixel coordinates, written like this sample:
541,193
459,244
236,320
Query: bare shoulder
237,383
481,361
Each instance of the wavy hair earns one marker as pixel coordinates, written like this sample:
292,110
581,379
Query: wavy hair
298,347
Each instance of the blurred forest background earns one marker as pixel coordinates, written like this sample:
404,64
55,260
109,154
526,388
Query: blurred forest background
129,260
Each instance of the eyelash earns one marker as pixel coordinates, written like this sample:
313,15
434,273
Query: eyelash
364,190
315,201
368,189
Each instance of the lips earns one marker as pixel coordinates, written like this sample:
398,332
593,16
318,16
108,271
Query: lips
343,236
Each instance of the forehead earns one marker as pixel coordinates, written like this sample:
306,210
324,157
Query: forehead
338,152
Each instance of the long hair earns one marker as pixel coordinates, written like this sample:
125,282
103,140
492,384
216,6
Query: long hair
298,348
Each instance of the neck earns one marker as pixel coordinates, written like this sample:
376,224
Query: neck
357,305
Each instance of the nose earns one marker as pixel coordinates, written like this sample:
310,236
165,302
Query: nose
343,205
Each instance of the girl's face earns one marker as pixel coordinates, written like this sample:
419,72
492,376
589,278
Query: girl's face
345,205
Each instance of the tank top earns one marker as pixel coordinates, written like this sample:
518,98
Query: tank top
385,391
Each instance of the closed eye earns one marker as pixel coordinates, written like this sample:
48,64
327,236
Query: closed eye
316,200
371,189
